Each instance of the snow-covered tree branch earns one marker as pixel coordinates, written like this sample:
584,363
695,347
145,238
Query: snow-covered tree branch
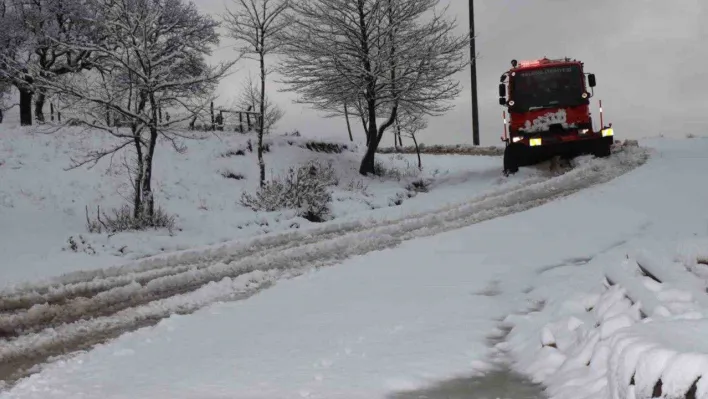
382,54
257,26
31,37
153,60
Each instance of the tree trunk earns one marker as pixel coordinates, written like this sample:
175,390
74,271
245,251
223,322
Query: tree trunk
148,198
25,106
139,176
375,135
39,106
417,151
349,126
398,133
248,119
261,119
367,164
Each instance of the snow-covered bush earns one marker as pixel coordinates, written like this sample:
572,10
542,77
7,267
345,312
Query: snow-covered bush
394,172
124,219
419,186
305,189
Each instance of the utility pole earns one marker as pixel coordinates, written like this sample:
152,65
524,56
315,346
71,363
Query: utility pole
473,68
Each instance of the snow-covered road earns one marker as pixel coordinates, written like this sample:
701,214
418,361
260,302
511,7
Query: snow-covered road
90,307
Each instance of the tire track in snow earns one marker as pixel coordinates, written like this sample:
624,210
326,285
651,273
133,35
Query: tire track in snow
39,307
91,283
178,284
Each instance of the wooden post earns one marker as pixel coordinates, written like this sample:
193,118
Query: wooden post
59,115
213,126
240,122
51,110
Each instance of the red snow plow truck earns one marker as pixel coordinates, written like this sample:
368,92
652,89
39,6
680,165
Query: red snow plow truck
549,113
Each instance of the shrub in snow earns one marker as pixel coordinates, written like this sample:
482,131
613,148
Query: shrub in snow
305,189
358,186
409,171
458,149
231,175
234,153
419,186
249,146
79,245
124,219
329,148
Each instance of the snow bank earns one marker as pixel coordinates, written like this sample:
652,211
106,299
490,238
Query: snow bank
636,339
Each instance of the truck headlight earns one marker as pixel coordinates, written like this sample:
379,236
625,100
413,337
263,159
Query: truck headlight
608,132
584,131
534,142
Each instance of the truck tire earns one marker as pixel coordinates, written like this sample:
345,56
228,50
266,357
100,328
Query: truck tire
603,149
512,158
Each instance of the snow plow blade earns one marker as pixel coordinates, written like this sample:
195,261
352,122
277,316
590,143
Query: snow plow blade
521,154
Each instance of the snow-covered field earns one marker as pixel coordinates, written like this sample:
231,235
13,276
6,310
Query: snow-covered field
482,272
43,206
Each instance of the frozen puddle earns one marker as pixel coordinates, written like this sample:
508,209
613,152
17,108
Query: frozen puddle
499,384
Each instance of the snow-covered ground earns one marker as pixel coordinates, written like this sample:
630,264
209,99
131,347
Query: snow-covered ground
43,206
403,318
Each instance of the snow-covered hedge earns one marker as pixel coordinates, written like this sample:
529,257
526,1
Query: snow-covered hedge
458,149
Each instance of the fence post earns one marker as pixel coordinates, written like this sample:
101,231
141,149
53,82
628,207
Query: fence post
213,127
51,110
240,122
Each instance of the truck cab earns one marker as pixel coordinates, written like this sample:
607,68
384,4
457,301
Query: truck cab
548,102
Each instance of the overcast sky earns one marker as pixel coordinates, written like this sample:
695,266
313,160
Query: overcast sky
648,55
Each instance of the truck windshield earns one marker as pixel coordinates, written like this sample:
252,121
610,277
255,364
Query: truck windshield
547,88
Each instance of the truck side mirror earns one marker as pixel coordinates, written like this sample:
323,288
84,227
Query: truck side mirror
502,90
591,80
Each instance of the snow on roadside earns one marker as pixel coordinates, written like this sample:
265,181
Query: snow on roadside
590,340
42,206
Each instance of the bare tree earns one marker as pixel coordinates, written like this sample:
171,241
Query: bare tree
153,59
385,54
257,24
30,37
250,98
410,124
